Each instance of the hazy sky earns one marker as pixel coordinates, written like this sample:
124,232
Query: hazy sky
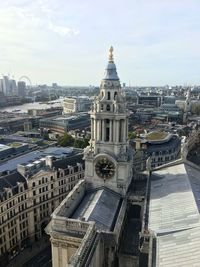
156,42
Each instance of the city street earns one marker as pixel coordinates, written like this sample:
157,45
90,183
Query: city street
194,156
43,259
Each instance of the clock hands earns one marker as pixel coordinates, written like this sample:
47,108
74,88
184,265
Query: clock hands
105,168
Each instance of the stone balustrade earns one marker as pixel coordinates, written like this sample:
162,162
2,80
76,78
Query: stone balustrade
88,240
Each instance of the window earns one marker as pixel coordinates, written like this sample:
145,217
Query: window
108,96
66,171
107,133
115,94
108,107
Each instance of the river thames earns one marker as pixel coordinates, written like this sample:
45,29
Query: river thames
35,105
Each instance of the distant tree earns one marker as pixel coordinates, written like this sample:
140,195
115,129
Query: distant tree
66,140
46,136
196,109
81,143
132,135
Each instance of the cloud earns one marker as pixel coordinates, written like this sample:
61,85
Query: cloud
153,40
62,30
29,15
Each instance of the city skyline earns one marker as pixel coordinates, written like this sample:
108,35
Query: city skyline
57,41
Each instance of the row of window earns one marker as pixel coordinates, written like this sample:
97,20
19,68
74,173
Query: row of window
23,225
164,152
11,203
42,181
108,95
44,211
12,232
24,234
13,242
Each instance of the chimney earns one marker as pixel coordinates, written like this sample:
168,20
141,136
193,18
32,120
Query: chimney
49,161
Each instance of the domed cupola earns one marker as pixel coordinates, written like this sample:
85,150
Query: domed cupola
110,71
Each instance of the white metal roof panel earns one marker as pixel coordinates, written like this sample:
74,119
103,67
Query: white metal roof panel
174,216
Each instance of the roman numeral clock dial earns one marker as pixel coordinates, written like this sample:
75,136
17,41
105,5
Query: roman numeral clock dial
105,168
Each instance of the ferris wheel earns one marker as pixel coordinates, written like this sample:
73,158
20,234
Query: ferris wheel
27,80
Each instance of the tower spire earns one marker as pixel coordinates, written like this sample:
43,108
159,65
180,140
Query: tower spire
111,54
111,72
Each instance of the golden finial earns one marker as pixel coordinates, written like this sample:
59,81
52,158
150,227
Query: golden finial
111,54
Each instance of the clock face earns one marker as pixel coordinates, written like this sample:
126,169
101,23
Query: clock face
105,168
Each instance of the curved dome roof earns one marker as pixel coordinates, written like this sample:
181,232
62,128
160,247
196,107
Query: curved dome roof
111,72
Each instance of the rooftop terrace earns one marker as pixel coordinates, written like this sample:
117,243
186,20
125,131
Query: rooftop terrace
153,136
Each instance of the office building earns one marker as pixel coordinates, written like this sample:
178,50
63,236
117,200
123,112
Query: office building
21,85
76,104
30,193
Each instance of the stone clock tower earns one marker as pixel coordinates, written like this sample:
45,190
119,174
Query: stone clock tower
108,159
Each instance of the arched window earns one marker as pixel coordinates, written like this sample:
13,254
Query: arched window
115,94
108,95
108,107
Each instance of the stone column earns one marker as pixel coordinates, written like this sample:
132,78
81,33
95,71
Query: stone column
100,130
92,129
111,131
117,131
124,130
97,136
103,130
95,132
114,131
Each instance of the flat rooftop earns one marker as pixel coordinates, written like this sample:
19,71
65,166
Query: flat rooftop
174,215
67,117
3,147
153,136
57,152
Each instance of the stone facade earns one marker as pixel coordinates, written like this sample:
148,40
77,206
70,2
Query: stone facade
161,151
29,196
76,104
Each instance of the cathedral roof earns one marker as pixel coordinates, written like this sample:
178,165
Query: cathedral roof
174,215
101,206
110,71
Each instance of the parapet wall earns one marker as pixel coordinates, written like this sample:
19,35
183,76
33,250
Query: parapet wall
69,204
